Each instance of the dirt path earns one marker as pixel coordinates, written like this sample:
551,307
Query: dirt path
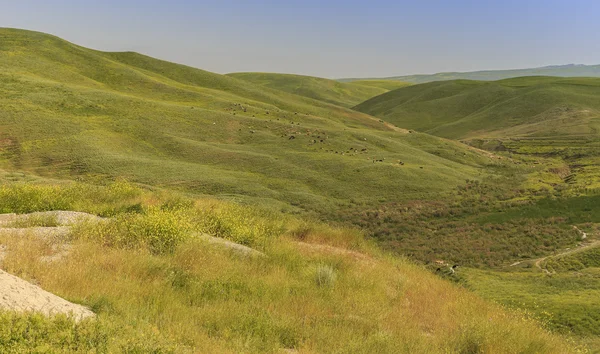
583,247
538,262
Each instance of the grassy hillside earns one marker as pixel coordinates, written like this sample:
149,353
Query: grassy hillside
492,75
384,84
330,91
521,107
71,112
156,287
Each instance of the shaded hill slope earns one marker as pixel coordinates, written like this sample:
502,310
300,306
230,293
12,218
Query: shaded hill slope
330,91
71,112
520,107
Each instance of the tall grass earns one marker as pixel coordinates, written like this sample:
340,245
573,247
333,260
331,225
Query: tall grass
106,200
199,299
35,333
156,288
161,228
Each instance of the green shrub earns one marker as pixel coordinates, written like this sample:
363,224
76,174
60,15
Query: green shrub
107,200
160,231
26,198
240,224
26,333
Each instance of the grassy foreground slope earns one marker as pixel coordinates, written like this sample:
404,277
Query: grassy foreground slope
157,287
71,112
520,107
570,70
330,91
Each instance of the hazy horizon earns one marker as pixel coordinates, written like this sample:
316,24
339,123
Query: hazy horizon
334,39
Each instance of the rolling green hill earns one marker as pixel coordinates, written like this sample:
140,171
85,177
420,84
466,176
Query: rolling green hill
570,70
521,107
330,91
384,84
71,112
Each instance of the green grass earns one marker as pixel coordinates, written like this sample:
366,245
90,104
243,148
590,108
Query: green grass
69,112
576,262
574,210
520,107
389,85
330,91
567,302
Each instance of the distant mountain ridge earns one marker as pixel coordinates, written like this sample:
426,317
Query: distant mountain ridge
569,70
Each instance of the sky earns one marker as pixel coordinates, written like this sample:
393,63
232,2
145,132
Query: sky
332,39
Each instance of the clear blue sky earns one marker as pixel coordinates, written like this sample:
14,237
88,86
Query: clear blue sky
327,38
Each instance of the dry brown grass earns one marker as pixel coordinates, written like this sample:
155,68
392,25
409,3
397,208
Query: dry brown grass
204,300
